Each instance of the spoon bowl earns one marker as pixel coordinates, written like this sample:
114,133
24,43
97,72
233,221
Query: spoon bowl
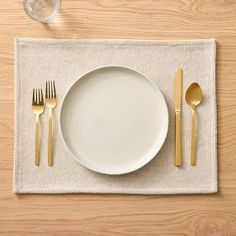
194,95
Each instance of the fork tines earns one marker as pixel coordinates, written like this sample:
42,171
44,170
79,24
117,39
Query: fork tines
37,98
50,89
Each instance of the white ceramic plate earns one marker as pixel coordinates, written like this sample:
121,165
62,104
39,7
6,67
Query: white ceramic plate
114,120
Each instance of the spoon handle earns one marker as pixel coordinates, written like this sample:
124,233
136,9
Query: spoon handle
193,141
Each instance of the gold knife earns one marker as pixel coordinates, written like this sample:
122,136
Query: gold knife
177,103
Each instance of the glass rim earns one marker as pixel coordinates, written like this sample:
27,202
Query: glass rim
43,19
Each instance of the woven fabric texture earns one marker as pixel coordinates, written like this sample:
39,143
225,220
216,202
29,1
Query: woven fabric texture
38,60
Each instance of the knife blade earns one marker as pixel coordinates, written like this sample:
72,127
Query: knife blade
177,91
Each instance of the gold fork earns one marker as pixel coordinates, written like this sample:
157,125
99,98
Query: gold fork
38,109
51,102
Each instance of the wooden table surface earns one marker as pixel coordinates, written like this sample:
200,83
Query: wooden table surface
86,214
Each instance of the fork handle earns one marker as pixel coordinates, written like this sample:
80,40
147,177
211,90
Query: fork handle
50,159
37,141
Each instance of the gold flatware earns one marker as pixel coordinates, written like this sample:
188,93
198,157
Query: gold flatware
193,97
38,109
51,102
177,91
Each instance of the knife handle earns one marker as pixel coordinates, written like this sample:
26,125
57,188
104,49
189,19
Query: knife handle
178,138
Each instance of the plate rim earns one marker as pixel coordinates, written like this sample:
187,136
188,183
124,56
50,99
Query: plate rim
76,157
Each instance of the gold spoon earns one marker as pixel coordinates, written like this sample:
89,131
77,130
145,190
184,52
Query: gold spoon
193,97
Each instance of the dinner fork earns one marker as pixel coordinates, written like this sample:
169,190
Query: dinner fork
51,102
38,109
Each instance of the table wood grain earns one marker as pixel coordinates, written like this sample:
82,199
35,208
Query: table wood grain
87,214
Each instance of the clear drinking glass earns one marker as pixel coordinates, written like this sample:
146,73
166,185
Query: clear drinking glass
42,10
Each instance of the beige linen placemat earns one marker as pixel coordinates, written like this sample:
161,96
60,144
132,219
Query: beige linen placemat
38,60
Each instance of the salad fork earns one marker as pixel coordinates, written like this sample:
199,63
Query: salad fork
51,102
38,109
